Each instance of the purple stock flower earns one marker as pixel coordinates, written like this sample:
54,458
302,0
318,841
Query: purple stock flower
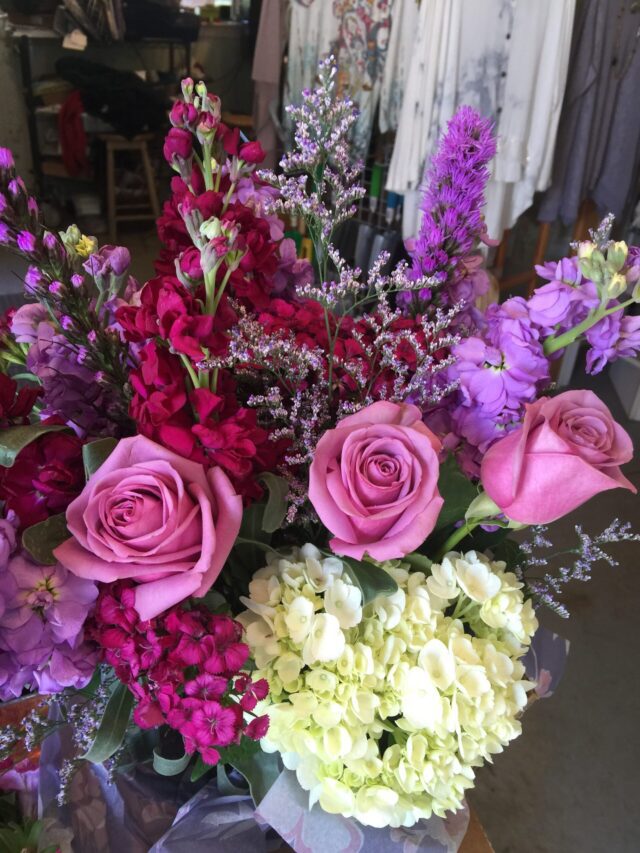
109,260
70,390
41,629
504,370
50,241
292,272
32,280
6,159
550,305
26,242
8,527
26,320
5,233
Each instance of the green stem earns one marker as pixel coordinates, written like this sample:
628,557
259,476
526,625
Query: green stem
457,536
218,295
206,166
210,288
227,198
192,374
554,343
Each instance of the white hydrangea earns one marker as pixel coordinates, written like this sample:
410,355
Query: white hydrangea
384,710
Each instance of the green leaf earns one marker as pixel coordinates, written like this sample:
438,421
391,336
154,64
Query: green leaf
276,508
372,580
13,439
509,551
225,785
418,562
170,766
199,769
95,453
458,493
260,769
41,539
112,727
92,686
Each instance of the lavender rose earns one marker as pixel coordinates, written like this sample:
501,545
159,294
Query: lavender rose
374,482
568,449
151,515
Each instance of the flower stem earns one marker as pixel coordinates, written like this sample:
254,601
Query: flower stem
553,344
457,536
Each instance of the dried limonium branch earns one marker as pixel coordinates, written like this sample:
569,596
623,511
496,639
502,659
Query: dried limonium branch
319,181
588,552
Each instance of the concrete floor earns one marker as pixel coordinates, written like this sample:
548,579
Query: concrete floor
570,783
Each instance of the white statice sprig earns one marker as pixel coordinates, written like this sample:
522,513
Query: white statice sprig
384,709
318,180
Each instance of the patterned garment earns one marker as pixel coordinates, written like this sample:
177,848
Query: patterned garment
357,33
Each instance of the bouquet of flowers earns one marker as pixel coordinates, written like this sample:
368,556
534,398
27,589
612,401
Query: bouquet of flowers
257,512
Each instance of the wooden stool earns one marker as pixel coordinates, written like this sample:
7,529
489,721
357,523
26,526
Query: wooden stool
241,120
129,212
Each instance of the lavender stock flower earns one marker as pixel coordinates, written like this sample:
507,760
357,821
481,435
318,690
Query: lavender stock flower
41,629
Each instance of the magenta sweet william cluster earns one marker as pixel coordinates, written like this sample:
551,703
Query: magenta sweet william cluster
184,669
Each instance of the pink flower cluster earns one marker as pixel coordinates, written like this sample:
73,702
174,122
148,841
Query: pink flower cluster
185,670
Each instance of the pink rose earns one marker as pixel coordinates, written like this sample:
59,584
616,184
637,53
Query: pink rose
150,515
374,482
568,449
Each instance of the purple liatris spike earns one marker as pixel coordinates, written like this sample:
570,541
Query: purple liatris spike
452,202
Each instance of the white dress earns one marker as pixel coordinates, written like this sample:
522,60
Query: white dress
506,58
404,23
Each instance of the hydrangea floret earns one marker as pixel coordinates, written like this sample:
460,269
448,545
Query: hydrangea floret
384,709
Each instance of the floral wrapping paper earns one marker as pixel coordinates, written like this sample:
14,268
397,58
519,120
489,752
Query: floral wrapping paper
147,813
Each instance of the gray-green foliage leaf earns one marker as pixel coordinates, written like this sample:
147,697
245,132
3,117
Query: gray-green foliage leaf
199,769
276,508
95,453
113,725
372,580
13,439
170,766
260,769
458,493
41,539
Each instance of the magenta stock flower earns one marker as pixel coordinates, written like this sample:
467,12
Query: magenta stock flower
184,670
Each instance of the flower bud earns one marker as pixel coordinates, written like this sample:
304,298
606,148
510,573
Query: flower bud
207,126
26,242
187,89
617,255
6,159
616,286
636,293
585,249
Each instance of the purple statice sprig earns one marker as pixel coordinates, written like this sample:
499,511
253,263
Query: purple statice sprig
589,551
319,182
452,221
